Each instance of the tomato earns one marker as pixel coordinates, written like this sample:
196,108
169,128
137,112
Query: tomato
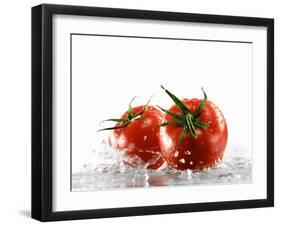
193,134
136,133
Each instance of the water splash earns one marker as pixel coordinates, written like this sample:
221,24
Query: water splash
112,170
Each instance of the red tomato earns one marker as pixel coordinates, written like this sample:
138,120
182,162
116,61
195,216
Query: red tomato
197,138
138,135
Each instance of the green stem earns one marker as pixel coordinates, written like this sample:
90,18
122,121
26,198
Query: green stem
187,120
131,116
190,125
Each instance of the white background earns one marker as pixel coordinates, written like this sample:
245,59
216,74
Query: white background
139,66
15,112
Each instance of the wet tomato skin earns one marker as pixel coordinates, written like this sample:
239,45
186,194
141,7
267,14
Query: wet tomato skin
203,150
140,137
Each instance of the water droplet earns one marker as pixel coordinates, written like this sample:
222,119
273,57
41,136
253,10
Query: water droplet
182,161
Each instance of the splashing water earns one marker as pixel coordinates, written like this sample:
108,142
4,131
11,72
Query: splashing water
110,172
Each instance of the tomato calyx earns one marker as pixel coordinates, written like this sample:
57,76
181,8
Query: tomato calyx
187,120
130,117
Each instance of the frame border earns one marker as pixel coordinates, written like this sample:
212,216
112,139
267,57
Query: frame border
41,204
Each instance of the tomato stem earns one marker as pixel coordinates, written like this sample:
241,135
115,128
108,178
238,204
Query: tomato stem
130,117
187,120
190,125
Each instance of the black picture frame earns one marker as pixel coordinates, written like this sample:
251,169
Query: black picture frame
42,111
